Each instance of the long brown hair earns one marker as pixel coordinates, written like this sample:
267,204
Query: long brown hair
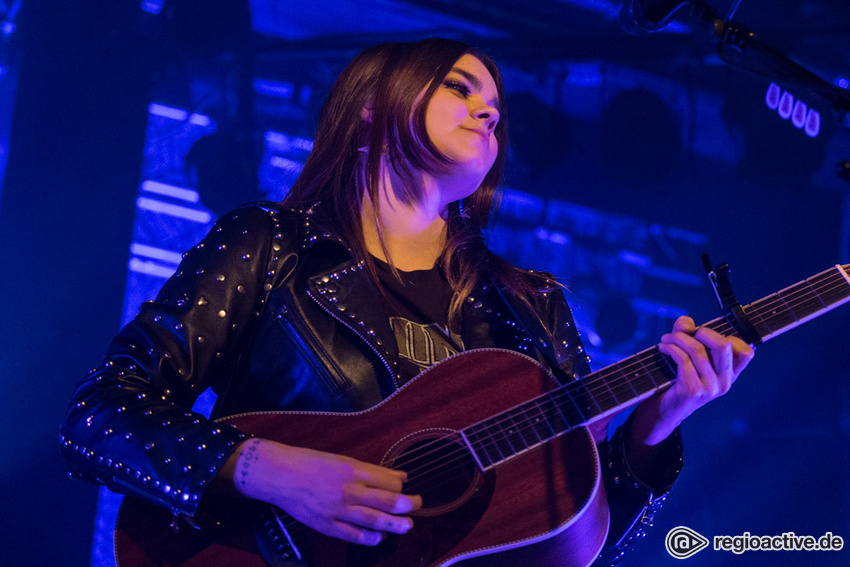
395,81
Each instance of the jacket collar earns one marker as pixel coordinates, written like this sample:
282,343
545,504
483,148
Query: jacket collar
317,227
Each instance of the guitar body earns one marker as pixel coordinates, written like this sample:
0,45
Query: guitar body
528,494
544,506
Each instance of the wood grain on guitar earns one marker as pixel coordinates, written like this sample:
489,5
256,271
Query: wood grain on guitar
508,473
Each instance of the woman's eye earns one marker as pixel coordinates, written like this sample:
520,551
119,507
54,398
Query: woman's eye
457,86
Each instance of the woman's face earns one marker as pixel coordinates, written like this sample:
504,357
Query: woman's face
461,119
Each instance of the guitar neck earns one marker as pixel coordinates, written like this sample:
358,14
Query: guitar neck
794,305
620,385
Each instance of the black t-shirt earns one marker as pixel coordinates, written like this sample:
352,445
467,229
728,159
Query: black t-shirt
418,306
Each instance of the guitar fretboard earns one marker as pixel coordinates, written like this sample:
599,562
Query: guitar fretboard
620,385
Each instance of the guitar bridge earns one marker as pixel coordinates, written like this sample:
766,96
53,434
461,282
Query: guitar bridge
274,541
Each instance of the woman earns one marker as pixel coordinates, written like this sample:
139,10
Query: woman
373,268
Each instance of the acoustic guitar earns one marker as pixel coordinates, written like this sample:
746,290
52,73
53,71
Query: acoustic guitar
499,451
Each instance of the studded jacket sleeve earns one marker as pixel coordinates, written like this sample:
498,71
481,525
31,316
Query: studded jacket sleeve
129,425
634,501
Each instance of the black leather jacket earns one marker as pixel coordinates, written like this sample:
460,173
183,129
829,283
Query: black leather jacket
272,312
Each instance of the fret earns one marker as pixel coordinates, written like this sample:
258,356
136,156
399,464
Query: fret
831,288
493,445
667,370
758,321
539,423
782,317
800,302
723,326
515,432
641,377
806,301
732,328
572,411
837,290
579,401
491,452
503,436
621,383
476,438
606,399
499,438
529,431
553,413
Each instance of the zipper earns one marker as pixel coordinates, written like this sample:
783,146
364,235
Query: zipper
373,348
307,353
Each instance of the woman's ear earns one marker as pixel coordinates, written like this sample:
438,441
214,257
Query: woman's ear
366,114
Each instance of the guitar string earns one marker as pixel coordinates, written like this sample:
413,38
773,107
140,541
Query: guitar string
464,454
834,279
514,414
486,442
798,296
519,430
457,456
804,292
782,298
757,312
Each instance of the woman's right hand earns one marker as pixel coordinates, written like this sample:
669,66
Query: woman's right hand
335,495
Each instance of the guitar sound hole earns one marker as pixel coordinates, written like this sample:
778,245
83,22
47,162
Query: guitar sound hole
439,468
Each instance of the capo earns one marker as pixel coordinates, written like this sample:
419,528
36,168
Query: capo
729,305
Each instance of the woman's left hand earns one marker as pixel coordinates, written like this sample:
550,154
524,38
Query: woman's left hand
707,364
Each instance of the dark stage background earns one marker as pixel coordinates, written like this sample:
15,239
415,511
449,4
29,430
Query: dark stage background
126,127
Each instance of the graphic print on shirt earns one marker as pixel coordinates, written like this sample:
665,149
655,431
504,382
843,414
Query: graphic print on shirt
424,345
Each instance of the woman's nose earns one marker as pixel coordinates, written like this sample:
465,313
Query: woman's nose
488,114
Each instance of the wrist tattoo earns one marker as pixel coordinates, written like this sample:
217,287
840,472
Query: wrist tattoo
247,456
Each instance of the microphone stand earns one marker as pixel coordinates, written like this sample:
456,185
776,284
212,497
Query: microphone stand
741,48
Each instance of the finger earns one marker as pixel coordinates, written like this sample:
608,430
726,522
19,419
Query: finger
687,379
386,501
696,352
736,359
710,337
372,519
743,354
684,324
720,350
723,364
354,534
380,477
